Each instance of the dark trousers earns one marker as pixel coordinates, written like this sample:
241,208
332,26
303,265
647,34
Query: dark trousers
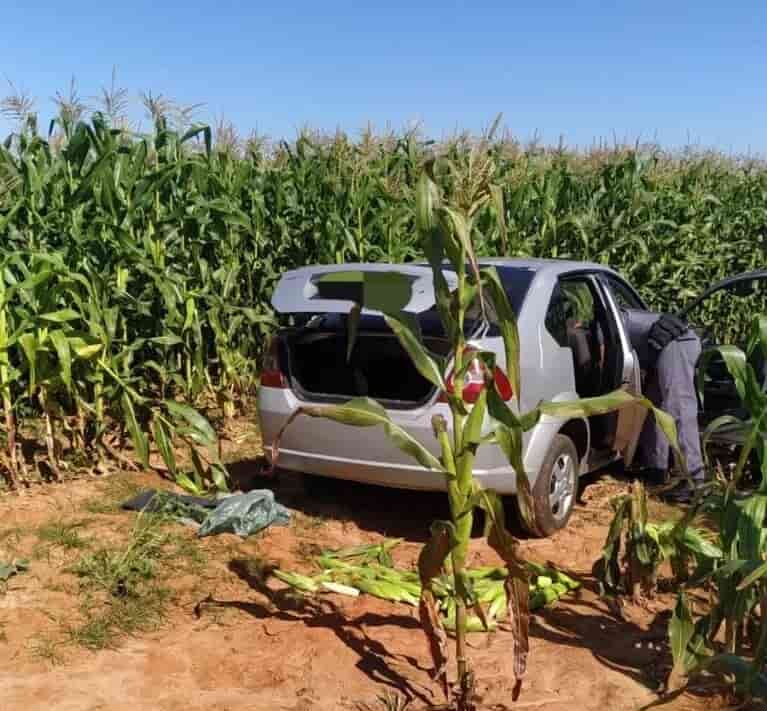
671,387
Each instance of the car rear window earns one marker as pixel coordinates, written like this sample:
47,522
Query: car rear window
516,283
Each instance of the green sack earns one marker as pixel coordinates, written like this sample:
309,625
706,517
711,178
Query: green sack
245,514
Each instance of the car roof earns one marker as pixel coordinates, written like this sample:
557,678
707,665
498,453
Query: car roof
552,266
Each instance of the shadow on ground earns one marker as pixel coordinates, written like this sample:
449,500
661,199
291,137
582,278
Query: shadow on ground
374,660
582,623
640,653
390,512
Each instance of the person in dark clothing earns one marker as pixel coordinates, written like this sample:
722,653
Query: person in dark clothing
668,351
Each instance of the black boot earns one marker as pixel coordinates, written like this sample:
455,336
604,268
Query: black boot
653,477
684,492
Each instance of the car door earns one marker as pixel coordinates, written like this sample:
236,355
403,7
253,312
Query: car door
591,325
722,315
630,419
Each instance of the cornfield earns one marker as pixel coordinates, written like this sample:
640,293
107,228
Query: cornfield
137,268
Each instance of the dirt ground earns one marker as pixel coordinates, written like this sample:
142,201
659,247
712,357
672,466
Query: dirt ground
243,649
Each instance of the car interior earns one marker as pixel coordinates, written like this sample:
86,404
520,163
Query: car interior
578,319
724,317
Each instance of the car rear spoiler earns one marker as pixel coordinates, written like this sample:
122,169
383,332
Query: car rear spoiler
377,287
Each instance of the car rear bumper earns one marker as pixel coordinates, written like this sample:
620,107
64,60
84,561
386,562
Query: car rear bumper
392,475
365,454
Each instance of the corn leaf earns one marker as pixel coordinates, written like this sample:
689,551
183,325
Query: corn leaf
138,437
162,438
61,344
680,630
435,634
515,586
507,323
427,365
199,425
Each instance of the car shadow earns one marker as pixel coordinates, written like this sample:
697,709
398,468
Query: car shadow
395,513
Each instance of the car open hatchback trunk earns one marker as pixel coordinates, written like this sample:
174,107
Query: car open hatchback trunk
378,368
316,356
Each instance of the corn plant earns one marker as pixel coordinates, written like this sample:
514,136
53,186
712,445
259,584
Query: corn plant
636,547
738,579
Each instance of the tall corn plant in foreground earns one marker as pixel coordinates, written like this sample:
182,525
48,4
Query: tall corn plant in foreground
446,229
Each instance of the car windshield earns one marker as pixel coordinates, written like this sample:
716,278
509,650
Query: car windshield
515,280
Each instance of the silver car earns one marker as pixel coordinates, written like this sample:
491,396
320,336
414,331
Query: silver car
573,344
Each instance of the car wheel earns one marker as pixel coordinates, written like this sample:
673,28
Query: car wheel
556,487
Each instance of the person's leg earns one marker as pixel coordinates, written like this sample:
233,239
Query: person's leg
653,445
676,382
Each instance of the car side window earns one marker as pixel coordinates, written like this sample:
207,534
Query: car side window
556,317
572,303
577,319
623,296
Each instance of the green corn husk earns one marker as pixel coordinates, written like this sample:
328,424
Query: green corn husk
368,552
340,589
488,593
329,563
473,624
442,587
555,575
487,572
536,568
397,577
298,581
542,597
448,619
357,569
497,609
550,595
566,580
537,600
386,591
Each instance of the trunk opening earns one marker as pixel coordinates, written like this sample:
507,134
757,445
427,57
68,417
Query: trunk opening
379,368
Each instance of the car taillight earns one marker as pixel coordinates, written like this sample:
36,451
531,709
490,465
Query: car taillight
474,382
271,373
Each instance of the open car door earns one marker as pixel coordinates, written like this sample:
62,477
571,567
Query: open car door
630,419
722,315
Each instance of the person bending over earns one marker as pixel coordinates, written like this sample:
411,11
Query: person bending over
668,351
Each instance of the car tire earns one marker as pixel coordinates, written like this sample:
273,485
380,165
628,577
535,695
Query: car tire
556,488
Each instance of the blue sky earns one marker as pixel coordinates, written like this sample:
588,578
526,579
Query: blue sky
674,71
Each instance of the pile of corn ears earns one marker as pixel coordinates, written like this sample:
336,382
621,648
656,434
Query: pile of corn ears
369,569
